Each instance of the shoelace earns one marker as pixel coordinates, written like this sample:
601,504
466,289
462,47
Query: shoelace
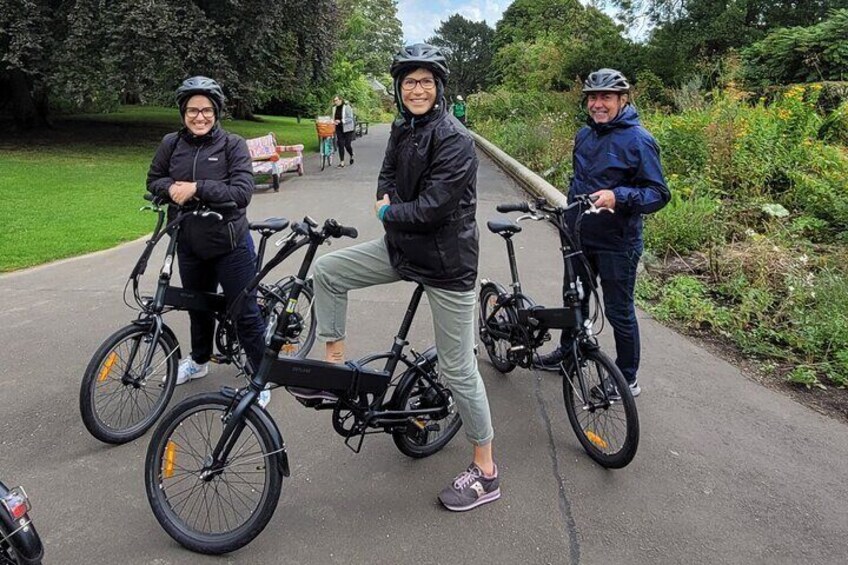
466,478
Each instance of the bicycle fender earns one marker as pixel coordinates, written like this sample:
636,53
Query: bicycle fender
408,378
26,542
276,439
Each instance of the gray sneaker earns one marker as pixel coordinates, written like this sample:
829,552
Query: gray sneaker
470,489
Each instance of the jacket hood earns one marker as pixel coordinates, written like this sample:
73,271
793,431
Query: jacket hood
628,117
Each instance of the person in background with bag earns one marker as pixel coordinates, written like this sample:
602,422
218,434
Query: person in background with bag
343,118
202,161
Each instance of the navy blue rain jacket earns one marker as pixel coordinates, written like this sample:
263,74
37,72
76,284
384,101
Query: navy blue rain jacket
623,157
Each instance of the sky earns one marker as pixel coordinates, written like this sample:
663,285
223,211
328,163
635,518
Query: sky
421,17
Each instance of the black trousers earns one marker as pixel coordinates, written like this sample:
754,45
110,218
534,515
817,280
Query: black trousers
343,141
233,272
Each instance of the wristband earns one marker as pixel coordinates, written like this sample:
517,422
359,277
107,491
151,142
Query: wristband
382,211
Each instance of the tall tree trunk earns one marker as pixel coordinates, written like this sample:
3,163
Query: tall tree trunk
27,102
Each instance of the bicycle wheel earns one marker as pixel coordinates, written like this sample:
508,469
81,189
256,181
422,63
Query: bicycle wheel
424,436
302,325
498,349
120,396
607,430
222,511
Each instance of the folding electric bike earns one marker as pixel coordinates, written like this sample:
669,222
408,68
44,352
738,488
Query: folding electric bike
598,401
131,377
215,464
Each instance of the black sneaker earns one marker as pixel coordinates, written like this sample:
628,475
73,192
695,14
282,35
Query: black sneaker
551,361
470,489
312,394
351,160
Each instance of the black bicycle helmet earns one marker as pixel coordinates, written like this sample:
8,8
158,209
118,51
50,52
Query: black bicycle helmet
201,85
606,80
418,56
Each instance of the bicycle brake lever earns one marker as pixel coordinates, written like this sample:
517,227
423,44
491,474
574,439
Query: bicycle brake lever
211,213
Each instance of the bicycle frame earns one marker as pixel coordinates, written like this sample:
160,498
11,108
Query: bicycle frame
350,380
534,321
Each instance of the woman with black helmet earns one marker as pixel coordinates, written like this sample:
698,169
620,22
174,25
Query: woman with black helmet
426,200
202,161
618,160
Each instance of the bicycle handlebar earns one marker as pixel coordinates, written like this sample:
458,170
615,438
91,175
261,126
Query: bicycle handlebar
165,200
542,205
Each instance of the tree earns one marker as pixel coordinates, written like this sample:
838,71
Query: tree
371,33
95,54
547,44
467,45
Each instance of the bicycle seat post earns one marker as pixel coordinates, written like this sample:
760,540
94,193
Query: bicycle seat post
513,265
403,332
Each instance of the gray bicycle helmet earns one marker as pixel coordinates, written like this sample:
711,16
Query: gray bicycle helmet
606,80
417,56
201,85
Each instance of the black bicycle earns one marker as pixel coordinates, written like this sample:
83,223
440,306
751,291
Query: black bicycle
215,464
132,375
513,327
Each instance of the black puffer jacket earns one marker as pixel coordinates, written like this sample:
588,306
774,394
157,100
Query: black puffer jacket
220,164
430,175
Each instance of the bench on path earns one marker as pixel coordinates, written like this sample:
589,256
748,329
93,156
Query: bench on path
273,160
361,128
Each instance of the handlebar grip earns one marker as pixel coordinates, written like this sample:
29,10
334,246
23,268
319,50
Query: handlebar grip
517,207
345,231
221,205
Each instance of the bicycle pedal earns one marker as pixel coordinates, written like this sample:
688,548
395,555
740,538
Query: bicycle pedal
219,359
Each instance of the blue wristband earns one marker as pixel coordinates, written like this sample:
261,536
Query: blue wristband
382,211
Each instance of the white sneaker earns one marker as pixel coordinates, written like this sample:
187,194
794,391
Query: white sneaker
264,398
189,370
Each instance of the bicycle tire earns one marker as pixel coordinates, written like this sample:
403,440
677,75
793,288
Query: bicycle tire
414,391
96,400
202,414
595,429
307,318
496,348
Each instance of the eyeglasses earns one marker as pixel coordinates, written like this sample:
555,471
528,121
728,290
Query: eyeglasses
410,84
207,112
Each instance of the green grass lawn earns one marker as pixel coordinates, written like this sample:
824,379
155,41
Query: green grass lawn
77,188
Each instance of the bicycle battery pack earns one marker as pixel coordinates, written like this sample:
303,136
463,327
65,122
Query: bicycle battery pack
550,318
308,373
183,299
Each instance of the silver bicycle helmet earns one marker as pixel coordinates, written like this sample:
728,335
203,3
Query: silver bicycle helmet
417,56
606,80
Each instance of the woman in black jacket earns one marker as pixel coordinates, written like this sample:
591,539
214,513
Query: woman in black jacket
426,200
202,161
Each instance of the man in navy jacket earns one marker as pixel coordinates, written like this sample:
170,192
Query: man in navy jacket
616,159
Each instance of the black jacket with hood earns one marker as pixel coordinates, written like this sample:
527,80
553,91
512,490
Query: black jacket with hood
430,174
220,164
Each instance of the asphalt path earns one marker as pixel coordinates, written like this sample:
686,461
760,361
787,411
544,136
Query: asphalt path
727,470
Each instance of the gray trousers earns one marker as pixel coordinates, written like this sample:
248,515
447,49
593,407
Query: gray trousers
367,264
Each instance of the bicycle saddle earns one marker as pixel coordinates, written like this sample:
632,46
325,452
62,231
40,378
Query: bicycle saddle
503,226
272,225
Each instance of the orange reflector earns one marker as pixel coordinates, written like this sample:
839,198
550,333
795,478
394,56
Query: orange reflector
596,439
288,349
107,366
170,457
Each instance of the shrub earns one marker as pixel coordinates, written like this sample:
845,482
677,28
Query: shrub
685,225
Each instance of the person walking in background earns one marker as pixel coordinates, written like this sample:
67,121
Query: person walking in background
459,110
618,160
343,118
202,161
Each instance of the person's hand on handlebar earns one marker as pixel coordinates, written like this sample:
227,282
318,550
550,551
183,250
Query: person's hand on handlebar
181,191
606,199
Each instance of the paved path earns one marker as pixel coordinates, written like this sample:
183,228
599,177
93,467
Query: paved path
727,471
